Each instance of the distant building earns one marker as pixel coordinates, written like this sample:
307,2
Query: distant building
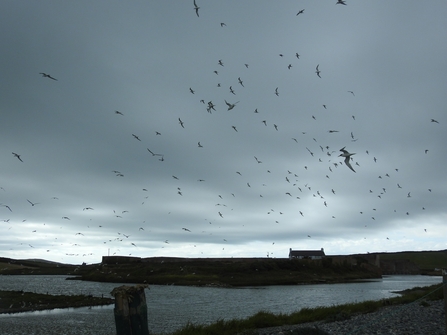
306,254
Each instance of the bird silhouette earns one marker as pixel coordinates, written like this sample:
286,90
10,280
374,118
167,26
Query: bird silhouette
181,122
47,76
230,106
196,8
18,156
318,71
347,156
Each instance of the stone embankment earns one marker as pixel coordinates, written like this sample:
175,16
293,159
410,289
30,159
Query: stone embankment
410,319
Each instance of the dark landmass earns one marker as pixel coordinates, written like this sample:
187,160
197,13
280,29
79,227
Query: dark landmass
222,272
427,262
236,272
231,272
19,301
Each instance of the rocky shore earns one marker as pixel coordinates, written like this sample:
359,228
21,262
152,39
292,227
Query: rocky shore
427,318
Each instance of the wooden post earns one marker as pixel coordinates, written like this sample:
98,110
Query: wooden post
130,310
444,282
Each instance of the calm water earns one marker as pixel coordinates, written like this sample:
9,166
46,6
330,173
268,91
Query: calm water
171,307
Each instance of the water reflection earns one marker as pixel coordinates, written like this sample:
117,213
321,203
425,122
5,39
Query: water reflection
58,311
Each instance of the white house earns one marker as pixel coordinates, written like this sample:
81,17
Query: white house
306,254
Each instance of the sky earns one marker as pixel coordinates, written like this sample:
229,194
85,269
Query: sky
159,131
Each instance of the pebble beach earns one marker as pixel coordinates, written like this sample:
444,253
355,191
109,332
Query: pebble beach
409,319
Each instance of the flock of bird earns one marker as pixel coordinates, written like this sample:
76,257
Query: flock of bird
293,187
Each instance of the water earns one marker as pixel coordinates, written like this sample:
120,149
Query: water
171,307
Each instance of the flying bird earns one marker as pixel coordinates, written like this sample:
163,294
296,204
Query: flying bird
230,106
136,137
318,71
433,120
181,122
32,203
347,156
341,2
300,12
196,8
6,207
152,153
18,156
47,76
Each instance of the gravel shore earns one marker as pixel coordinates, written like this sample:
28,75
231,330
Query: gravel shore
410,319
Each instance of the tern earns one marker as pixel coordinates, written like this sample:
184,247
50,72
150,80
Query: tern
152,153
196,8
18,156
47,76
347,156
318,71
230,106
32,203
6,207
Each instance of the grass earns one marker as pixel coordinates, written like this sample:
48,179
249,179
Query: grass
265,319
19,301
229,273
427,260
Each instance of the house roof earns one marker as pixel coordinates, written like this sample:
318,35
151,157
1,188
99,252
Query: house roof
306,253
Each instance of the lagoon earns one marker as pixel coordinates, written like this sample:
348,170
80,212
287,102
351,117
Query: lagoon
171,307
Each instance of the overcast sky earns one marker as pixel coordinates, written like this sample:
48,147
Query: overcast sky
133,150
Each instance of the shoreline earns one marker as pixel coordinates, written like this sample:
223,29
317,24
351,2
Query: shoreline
416,318
19,301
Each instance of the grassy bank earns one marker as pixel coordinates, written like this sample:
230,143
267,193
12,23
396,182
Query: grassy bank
19,301
332,313
231,272
427,261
